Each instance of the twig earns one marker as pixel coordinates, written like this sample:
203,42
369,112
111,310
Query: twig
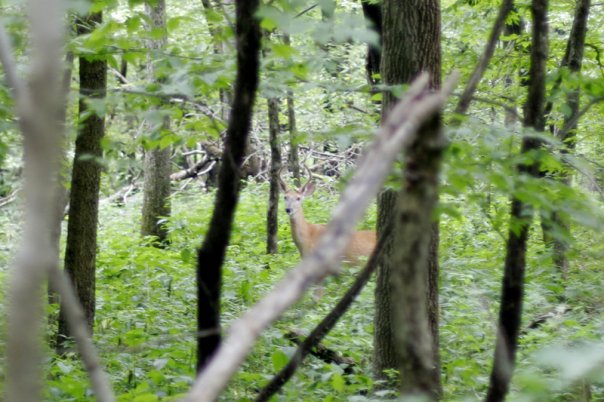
76,321
571,123
398,132
466,97
8,199
306,10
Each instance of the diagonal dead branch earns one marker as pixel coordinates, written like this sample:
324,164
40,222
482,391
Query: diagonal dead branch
397,132
79,330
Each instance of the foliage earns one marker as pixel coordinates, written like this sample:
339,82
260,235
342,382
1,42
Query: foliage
145,321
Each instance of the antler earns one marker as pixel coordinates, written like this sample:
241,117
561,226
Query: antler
310,178
281,181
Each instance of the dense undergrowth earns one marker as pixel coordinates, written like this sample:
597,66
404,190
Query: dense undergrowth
145,319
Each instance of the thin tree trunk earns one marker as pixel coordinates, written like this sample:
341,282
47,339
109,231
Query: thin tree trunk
61,194
510,313
293,160
38,104
156,191
573,59
272,219
372,12
80,252
211,254
418,22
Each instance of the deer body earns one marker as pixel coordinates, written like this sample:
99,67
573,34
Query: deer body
306,234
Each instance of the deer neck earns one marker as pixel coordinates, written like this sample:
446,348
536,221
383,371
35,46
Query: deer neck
300,231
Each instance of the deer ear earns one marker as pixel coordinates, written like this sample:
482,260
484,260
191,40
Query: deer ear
308,189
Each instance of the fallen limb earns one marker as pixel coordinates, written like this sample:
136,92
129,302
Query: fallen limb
322,352
398,131
199,169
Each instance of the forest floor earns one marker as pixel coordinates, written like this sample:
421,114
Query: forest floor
145,319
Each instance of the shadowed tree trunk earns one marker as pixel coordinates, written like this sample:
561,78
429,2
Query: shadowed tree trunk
373,16
211,254
156,201
411,44
272,219
80,251
384,349
512,292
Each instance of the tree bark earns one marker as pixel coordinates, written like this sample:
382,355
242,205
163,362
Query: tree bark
80,251
510,312
156,190
384,348
211,254
418,22
272,219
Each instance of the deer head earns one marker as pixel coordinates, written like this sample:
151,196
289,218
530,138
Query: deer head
293,198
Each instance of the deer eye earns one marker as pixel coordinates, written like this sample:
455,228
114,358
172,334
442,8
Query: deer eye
298,198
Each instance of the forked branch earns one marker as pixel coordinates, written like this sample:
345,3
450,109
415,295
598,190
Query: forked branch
397,132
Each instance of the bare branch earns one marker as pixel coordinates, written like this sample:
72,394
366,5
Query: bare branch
466,97
398,132
79,331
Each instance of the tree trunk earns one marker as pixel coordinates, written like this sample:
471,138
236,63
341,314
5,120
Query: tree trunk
510,312
38,103
293,160
573,60
211,254
80,251
156,191
373,16
384,349
418,22
272,219
61,193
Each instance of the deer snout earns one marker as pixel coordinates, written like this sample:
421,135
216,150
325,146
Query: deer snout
288,211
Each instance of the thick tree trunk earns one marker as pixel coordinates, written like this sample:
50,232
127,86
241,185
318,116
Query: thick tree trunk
156,191
418,22
211,254
510,313
80,252
272,218
384,349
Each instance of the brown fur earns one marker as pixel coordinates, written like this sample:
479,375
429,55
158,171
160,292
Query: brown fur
306,235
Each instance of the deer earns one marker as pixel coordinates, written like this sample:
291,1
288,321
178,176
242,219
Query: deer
306,235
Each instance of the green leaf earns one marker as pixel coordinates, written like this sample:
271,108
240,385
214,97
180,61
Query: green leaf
337,382
279,360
